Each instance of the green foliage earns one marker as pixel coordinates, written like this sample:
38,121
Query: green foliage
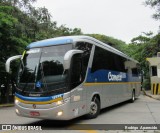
143,47
21,23
118,44
156,5
9,41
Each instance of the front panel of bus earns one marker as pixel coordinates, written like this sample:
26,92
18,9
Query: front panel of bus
45,90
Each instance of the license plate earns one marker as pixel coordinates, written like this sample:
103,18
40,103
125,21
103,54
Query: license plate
34,113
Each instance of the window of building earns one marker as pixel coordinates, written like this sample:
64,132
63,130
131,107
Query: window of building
154,70
134,72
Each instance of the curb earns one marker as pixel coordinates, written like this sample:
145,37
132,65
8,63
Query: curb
150,95
7,105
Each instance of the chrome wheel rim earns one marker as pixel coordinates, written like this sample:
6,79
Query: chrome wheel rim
93,108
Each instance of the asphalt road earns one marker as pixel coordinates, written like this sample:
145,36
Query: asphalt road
144,110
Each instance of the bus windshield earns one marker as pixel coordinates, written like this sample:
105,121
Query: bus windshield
41,69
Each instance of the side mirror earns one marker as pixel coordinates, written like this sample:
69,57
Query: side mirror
9,60
68,56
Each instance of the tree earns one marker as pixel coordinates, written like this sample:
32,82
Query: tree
11,43
142,47
156,5
20,24
118,44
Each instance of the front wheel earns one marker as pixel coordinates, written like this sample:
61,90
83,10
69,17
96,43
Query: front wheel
94,108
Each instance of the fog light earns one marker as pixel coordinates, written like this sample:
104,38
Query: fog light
17,111
59,113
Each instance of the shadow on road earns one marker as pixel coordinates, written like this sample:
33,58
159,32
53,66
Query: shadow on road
110,108
57,124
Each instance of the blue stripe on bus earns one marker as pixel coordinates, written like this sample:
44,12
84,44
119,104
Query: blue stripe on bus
50,42
38,99
103,75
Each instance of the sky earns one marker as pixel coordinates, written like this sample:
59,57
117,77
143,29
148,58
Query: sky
121,19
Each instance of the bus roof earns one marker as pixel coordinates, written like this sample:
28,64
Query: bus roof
51,42
71,39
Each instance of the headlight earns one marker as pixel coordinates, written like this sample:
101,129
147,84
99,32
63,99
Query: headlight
59,102
16,101
63,101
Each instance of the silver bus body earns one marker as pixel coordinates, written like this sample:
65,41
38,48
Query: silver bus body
76,102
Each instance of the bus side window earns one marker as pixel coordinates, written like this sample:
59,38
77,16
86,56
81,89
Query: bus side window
86,47
111,61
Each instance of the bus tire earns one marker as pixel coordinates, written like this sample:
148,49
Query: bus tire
94,108
133,96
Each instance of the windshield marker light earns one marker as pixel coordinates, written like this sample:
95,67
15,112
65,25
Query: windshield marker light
31,51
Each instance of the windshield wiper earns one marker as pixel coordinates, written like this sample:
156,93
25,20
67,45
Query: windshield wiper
27,82
42,76
36,73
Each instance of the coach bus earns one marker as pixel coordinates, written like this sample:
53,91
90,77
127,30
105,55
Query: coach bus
67,77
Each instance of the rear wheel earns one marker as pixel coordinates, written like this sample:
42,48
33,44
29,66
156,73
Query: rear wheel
133,96
94,108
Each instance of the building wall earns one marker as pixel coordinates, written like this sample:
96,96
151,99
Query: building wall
155,80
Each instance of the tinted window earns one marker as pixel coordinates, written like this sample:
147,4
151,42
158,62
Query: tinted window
76,70
42,69
51,66
29,66
104,59
86,47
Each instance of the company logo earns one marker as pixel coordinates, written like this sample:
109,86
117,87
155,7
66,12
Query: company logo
34,106
113,77
35,95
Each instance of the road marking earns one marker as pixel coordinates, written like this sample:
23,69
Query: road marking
76,127
88,131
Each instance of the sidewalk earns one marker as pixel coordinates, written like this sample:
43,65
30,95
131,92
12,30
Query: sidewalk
149,94
7,105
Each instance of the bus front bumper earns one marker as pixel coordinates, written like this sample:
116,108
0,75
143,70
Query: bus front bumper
61,112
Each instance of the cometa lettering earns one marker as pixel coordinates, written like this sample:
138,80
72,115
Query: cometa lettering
113,77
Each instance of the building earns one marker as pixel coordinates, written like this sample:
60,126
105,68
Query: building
154,68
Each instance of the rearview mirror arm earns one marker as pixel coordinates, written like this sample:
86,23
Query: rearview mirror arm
9,60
